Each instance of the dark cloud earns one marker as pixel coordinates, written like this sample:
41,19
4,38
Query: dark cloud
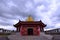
17,9
5,24
10,13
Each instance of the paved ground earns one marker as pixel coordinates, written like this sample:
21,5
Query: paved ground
56,37
4,38
42,36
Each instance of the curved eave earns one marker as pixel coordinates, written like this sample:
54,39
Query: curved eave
30,23
17,24
44,25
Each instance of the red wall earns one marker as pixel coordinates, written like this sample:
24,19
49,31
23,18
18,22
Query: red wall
23,30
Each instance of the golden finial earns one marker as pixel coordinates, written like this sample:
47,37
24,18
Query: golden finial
29,18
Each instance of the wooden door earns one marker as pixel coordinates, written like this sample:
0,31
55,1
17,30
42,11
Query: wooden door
30,31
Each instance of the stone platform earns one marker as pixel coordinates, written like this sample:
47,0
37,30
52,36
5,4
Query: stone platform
42,36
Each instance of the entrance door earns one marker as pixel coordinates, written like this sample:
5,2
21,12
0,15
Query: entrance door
30,31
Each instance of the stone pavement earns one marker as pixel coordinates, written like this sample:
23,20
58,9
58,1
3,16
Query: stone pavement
56,37
42,36
3,38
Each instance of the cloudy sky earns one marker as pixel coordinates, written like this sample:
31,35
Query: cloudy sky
46,10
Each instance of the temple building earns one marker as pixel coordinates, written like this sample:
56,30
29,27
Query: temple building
30,27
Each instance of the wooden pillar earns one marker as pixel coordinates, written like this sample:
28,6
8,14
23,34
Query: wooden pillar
41,29
17,29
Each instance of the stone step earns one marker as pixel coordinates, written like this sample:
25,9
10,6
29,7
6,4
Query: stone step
42,36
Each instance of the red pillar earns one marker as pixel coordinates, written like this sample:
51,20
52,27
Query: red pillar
38,30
